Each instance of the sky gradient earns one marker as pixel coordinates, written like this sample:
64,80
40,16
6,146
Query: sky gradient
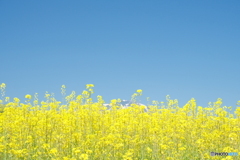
185,49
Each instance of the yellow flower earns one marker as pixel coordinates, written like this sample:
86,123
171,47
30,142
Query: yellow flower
45,146
28,96
89,86
139,91
2,147
53,151
84,156
16,100
228,158
208,109
79,130
233,136
182,148
149,150
89,151
3,85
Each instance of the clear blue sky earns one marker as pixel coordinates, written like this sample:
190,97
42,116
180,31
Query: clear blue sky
187,49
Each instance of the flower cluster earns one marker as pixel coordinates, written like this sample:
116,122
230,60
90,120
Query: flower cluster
86,130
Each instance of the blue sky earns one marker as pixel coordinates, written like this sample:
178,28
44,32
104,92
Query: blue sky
185,49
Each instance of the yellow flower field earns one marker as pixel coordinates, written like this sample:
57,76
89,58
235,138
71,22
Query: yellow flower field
82,129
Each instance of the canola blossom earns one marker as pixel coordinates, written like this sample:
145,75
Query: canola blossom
81,129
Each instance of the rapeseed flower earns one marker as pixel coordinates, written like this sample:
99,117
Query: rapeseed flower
28,96
83,129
